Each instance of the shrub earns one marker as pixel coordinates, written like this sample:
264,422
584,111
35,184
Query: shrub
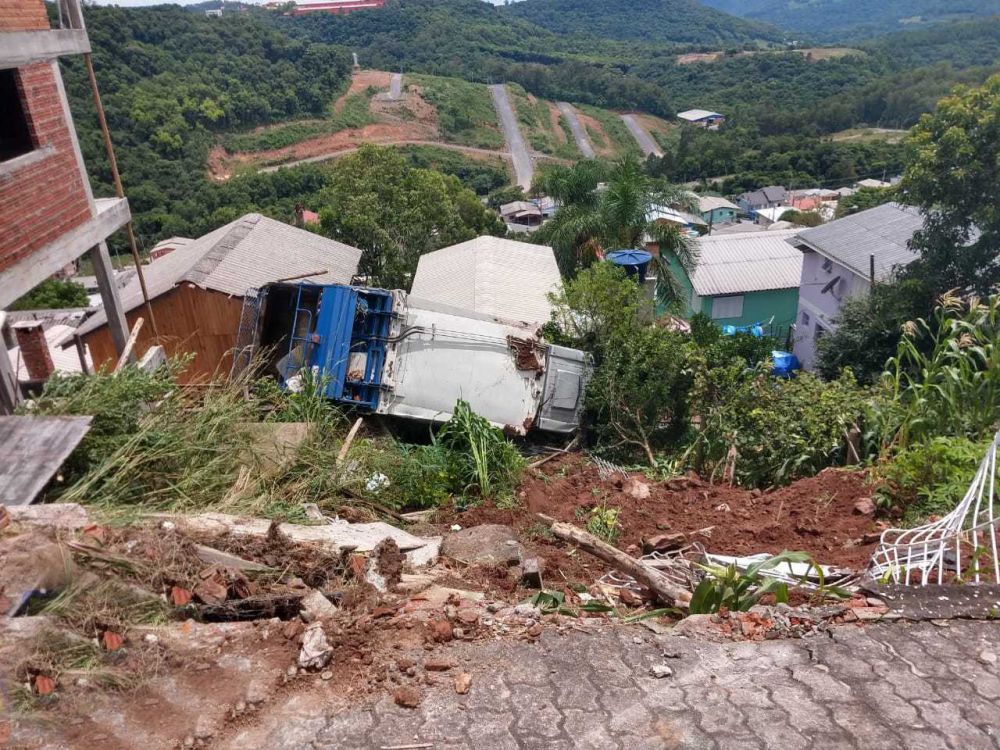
53,294
930,478
780,430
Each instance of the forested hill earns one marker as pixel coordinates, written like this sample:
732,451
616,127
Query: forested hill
670,21
839,20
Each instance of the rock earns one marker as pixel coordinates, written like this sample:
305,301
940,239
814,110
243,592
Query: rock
438,664
462,683
292,629
871,537
663,543
527,610
531,573
865,506
316,650
487,544
535,630
203,728
406,696
327,675
440,630
637,489
468,615
315,606
659,671
987,657
257,691
385,565
210,591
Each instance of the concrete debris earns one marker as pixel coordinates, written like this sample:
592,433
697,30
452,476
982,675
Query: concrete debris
490,544
385,565
663,543
987,657
765,622
865,506
69,516
637,489
316,651
659,671
463,682
315,607
531,573
438,664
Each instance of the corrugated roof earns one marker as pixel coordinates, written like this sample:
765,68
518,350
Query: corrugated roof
774,213
491,275
673,215
883,231
749,262
712,202
693,115
249,252
64,360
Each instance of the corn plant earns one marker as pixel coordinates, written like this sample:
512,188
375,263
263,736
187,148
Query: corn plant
725,586
945,377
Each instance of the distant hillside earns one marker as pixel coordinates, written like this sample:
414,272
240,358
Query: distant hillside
669,21
838,20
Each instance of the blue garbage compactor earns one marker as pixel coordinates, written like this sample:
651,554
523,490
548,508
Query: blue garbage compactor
382,351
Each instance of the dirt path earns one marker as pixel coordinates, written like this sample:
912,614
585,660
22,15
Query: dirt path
523,168
345,151
579,134
644,139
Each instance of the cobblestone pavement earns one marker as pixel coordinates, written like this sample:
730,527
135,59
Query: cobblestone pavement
887,686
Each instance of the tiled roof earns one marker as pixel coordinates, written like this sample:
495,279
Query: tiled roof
249,252
747,262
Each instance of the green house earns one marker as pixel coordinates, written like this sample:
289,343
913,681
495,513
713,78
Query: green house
742,279
715,210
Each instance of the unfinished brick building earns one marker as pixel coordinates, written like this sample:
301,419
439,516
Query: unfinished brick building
48,214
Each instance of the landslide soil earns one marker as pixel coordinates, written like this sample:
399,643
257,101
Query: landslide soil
815,515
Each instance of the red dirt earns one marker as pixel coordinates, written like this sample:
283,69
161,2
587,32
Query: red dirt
360,81
815,514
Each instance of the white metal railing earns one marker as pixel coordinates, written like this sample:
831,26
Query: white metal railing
961,547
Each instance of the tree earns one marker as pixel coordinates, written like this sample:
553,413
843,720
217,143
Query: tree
53,294
619,215
954,177
869,328
395,213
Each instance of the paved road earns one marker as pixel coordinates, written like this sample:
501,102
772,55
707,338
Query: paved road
576,127
644,139
396,86
523,169
889,686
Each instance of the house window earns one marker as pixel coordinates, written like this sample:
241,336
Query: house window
727,307
828,265
820,333
805,318
15,135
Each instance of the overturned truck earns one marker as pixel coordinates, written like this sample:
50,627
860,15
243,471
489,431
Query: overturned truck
389,353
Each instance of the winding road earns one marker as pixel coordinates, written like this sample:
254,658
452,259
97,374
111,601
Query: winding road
644,139
523,167
576,127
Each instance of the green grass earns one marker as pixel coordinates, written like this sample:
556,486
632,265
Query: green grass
355,113
535,121
480,174
465,110
620,138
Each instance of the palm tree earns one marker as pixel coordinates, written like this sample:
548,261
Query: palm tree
617,215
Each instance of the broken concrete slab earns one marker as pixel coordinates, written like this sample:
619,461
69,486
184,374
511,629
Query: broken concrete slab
336,536
315,607
273,444
492,544
70,516
214,556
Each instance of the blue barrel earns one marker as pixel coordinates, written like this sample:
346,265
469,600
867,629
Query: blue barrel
635,262
785,363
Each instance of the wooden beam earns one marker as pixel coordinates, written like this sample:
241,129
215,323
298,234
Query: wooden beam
113,309
665,590
126,354
347,442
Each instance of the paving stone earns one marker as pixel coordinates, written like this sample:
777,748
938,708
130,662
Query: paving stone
886,686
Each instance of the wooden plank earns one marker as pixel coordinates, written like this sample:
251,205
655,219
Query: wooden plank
33,450
126,354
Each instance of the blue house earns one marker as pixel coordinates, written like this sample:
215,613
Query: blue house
715,210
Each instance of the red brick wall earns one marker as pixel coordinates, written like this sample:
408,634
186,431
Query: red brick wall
46,198
23,15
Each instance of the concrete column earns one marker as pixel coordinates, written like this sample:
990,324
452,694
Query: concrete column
10,396
104,272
